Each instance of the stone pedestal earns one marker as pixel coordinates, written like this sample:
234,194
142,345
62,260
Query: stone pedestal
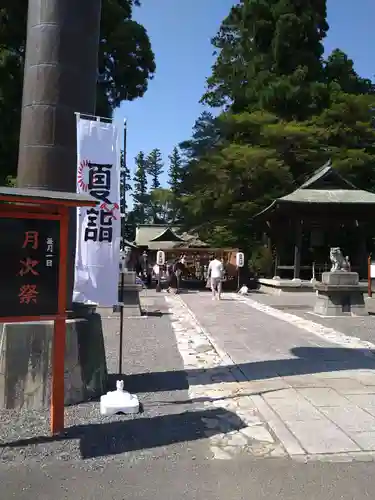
25,362
339,294
131,301
278,286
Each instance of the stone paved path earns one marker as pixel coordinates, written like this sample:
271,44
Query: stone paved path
302,305
313,387
213,382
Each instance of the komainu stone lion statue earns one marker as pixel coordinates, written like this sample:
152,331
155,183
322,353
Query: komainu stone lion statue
339,262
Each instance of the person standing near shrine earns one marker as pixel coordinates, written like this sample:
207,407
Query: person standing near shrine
215,276
172,277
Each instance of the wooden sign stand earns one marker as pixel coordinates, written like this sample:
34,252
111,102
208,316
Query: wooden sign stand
27,213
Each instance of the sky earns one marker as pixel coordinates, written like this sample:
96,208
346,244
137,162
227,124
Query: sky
180,32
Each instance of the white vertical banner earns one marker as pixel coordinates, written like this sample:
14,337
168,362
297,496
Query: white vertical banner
98,229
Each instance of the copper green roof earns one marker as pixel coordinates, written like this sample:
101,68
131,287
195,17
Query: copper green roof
167,235
156,236
348,196
324,173
325,186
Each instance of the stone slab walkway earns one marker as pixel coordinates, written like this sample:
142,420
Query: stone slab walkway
313,387
302,305
213,381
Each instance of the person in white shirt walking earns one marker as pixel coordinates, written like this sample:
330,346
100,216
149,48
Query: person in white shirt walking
215,275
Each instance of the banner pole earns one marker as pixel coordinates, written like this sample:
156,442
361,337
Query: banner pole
121,321
123,187
86,116
122,282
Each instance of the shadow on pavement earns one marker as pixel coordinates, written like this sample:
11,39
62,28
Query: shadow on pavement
151,381
155,314
308,360
113,438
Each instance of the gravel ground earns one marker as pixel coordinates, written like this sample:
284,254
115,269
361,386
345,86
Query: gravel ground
168,416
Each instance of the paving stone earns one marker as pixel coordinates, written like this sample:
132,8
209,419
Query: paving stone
302,381
220,403
261,449
366,440
350,418
350,386
287,394
365,377
231,451
337,374
245,403
268,385
361,456
278,427
258,432
211,423
252,419
323,397
236,439
203,348
218,439
297,409
229,424
222,377
220,454
365,401
278,451
321,436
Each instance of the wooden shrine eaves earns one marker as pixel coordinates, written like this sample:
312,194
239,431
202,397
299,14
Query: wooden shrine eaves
45,197
342,196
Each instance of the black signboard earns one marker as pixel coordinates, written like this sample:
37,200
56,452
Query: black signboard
29,253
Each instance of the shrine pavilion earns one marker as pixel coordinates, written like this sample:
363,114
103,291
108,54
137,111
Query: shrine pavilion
301,227
175,242
170,239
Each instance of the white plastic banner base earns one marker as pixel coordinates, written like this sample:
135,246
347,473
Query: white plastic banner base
118,401
98,229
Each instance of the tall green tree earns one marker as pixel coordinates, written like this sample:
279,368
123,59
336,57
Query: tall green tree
269,57
205,137
339,69
130,224
126,59
126,64
163,207
140,191
12,49
175,171
155,167
286,112
125,189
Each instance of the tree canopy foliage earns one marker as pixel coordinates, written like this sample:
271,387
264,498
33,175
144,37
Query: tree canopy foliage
155,167
126,64
283,111
152,202
140,191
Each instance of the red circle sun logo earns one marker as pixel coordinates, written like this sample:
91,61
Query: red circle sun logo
83,175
